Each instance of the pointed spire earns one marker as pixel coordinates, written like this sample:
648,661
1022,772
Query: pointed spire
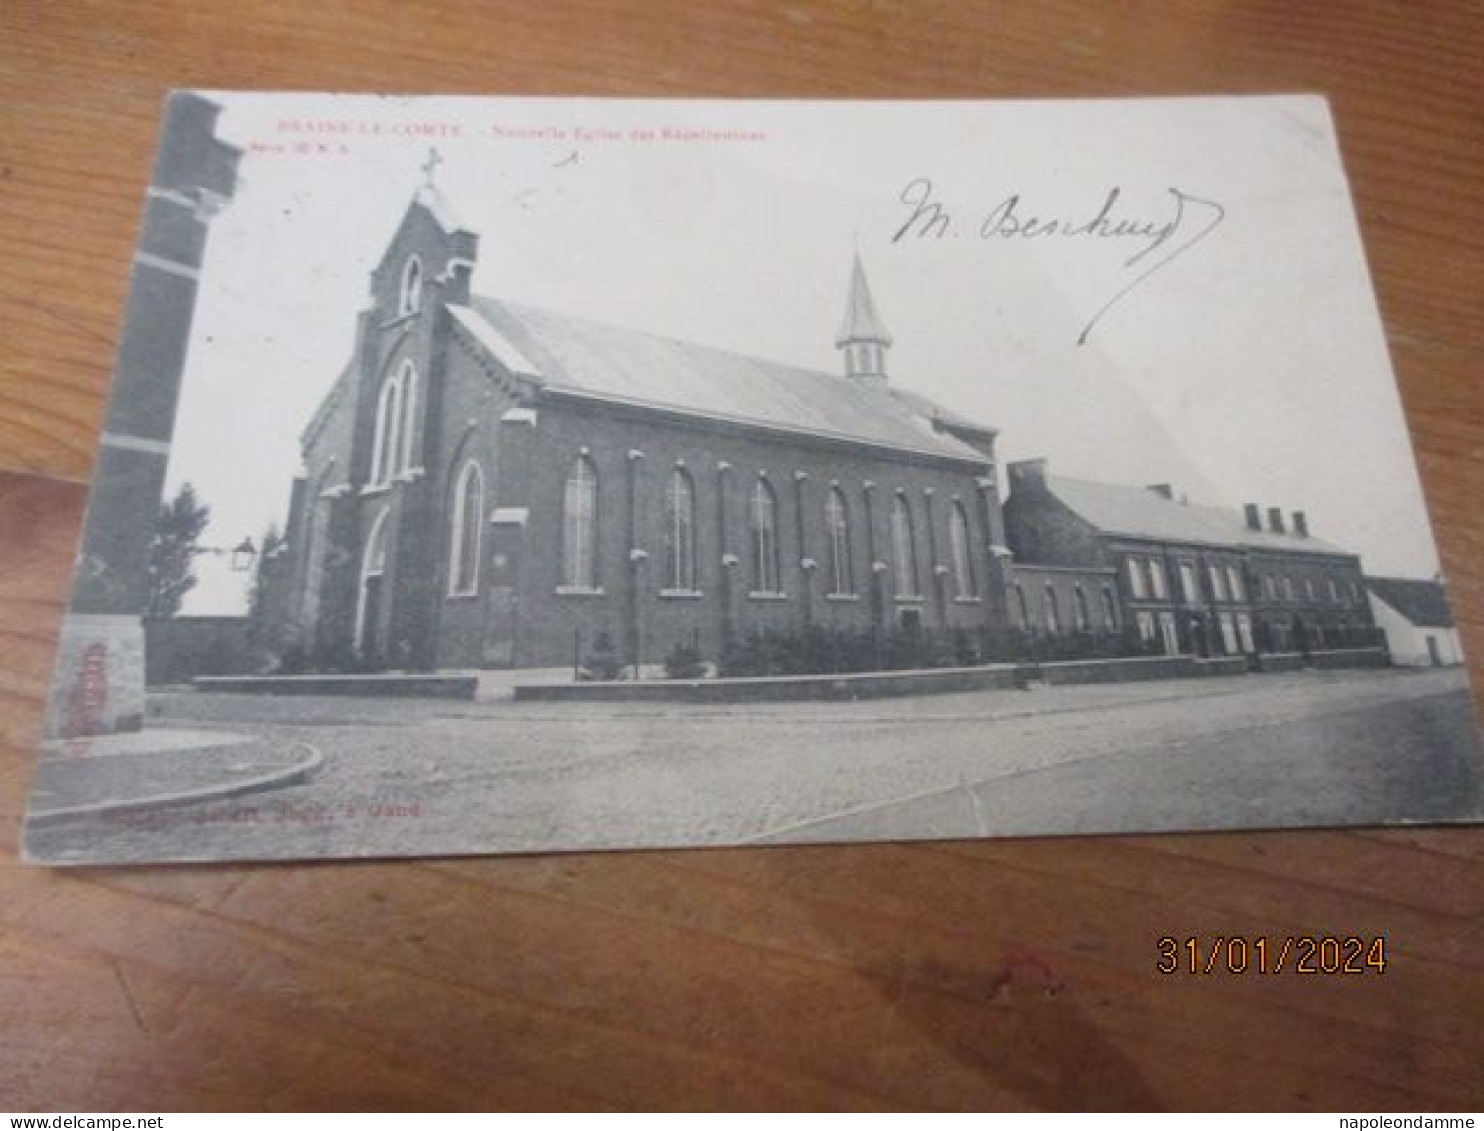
861,322
863,335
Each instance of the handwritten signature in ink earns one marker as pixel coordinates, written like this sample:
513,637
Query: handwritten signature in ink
1193,219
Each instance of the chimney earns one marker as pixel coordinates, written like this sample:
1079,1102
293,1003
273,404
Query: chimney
1254,517
1301,524
1275,519
1164,490
1029,473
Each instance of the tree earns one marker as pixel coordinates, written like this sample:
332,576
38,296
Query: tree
172,551
267,585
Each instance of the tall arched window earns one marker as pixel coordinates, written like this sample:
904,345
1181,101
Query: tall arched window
580,526
837,530
386,444
763,525
1053,614
466,531
964,583
680,532
1084,619
407,455
1022,607
373,568
411,296
904,548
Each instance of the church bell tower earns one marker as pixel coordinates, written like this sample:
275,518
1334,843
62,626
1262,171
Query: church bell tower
863,336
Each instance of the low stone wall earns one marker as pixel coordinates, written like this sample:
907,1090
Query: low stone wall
773,689
1283,661
442,685
1221,665
1351,658
1118,671
178,649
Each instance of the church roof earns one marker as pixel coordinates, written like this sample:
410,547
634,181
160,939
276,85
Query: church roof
563,352
1424,603
861,322
1138,512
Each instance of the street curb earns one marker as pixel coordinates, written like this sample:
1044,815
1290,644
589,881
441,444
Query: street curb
291,775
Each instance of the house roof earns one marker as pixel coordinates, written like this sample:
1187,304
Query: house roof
565,353
1141,513
1424,603
861,322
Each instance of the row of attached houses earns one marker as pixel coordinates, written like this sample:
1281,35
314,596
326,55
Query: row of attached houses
1187,577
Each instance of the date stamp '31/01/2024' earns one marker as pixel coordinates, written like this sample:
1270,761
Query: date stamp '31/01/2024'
1261,954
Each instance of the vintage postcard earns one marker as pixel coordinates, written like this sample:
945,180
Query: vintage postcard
497,475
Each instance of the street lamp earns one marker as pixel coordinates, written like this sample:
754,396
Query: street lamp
242,556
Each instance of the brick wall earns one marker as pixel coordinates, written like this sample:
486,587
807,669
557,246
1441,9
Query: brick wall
1036,581
725,463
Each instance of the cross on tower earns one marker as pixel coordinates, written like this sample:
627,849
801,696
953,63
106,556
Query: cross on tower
430,166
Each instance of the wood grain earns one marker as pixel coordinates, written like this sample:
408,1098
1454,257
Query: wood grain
992,974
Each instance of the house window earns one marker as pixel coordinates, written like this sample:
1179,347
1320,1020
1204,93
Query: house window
411,296
1234,583
1309,588
1334,591
1269,587
386,445
1244,632
1188,588
1079,602
1169,636
764,526
1053,615
1145,621
1110,609
466,531
1157,579
1218,582
680,532
837,529
1136,582
1355,592
904,547
1229,642
958,544
580,526
1287,588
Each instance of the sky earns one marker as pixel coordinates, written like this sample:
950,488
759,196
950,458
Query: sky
1239,354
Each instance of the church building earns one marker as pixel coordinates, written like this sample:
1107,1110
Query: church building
489,484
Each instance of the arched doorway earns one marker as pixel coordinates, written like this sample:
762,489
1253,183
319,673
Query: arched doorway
369,593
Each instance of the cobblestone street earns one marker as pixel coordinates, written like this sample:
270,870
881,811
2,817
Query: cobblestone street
405,778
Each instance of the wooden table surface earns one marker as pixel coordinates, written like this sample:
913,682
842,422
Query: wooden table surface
988,974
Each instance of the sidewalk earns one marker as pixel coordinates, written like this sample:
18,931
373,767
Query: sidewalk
121,773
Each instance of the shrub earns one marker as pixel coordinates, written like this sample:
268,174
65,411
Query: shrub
602,662
684,662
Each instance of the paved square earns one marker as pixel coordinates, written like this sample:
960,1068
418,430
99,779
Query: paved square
402,778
